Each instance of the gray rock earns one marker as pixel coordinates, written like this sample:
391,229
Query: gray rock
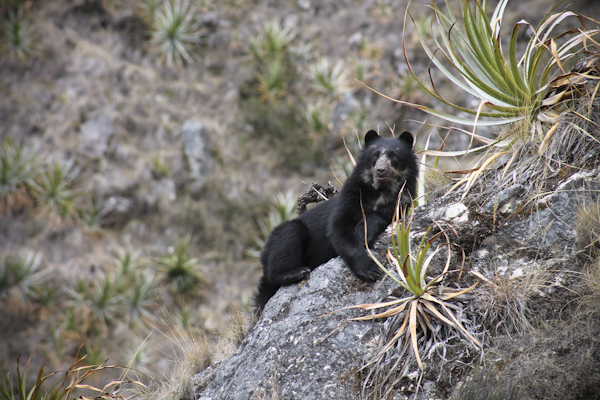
343,109
95,135
162,195
119,210
297,348
197,153
507,201
304,5
547,233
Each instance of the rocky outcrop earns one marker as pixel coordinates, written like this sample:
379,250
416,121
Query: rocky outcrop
298,349
302,348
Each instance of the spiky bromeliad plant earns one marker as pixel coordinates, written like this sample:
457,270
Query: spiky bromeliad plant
528,91
175,31
56,191
18,36
18,170
21,279
417,319
181,272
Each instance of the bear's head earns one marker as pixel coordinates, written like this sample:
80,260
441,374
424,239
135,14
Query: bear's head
388,162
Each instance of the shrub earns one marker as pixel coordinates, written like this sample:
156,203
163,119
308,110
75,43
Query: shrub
271,43
329,80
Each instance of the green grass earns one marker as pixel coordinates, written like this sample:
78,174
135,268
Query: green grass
93,217
328,79
505,302
273,80
490,385
587,230
140,298
102,298
282,207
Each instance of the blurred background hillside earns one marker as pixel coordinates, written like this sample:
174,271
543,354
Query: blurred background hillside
148,146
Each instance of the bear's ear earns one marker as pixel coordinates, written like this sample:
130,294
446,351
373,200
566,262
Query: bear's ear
370,136
407,137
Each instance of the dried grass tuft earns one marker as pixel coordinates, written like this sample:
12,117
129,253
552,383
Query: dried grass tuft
505,302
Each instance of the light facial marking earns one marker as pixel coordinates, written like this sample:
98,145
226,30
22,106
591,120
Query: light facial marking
382,161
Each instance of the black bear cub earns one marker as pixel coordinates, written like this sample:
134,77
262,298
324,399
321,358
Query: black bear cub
336,227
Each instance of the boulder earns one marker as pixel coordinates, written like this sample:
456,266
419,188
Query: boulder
96,133
301,348
196,150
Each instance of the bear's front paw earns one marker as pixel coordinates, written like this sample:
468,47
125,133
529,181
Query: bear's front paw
367,270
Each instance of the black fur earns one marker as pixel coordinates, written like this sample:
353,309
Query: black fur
336,227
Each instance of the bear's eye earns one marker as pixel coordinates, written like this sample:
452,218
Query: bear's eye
394,156
376,155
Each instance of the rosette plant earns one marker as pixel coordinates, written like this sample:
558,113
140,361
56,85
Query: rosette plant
533,91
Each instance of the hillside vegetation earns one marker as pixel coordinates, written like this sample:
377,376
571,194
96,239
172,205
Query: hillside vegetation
147,147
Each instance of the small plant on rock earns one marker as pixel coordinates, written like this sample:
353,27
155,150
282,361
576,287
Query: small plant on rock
422,317
589,302
587,229
505,302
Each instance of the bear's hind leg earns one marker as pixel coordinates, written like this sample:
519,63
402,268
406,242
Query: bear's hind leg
282,261
283,253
